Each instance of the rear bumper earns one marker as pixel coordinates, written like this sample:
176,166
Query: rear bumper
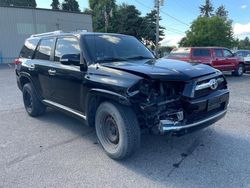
204,115
247,66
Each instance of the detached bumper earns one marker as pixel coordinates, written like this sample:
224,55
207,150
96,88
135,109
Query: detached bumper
208,111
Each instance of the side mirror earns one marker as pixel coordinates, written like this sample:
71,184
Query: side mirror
70,59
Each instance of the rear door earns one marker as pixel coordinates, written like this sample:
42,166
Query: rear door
42,62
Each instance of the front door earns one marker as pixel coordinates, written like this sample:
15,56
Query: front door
67,79
218,59
229,59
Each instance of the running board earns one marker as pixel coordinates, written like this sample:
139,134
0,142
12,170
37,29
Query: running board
65,108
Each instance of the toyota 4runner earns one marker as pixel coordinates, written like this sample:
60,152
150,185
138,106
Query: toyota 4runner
115,84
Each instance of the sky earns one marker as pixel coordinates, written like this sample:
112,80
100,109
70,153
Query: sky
178,15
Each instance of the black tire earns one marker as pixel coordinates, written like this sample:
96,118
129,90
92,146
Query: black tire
32,104
240,70
117,130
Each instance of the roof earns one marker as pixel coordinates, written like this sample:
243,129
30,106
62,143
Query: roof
63,33
44,9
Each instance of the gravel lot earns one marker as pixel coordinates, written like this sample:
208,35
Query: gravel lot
58,151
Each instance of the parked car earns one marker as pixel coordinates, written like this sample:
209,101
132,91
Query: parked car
217,57
114,83
246,55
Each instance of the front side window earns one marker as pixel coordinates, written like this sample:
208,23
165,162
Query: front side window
66,45
218,53
201,53
106,47
227,53
44,49
29,48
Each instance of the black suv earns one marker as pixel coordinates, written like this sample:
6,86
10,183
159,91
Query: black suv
115,84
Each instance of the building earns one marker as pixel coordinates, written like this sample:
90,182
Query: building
17,24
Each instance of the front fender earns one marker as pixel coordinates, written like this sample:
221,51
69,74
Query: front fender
108,95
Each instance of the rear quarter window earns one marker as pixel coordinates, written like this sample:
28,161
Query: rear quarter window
28,48
201,53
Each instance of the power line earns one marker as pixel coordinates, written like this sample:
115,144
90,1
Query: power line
174,18
170,16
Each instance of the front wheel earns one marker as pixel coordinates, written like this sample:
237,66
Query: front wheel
240,70
117,130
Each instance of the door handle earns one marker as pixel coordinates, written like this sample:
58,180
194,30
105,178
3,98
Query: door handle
31,67
52,72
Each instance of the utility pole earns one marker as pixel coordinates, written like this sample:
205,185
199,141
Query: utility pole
157,7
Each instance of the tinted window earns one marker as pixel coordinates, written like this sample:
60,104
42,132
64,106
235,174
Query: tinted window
218,53
227,53
201,52
101,47
67,45
44,49
240,53
29,48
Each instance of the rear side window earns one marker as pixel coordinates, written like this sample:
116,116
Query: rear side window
29,48
44,49
66,45
201,53
218,53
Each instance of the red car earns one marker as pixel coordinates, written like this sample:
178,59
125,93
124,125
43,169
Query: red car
217,57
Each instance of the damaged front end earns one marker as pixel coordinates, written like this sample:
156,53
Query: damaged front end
177,107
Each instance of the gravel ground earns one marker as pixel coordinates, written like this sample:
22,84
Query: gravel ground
58,151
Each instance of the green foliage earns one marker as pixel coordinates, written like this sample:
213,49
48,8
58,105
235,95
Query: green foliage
102,11
19,3
221,12
55,5
210,29
149,27
244,44
207,9
126,20
70,5
205,31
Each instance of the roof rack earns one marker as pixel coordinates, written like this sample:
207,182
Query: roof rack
48,33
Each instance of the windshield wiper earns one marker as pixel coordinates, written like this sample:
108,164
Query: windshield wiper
140,57
110,59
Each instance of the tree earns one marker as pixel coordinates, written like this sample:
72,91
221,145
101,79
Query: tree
205,31
244,44
102,11
18,3
127,20
55,5
221,12
148,28
207,9
70,5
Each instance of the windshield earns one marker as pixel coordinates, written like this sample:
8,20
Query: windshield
106,47
180,52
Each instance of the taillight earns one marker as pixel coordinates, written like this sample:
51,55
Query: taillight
17,62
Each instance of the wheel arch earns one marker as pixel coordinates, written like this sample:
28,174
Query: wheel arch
95,97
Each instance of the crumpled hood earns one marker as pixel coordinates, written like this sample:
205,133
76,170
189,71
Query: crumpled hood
163,69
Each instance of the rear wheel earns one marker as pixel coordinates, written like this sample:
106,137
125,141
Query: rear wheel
32,104
117,130
240,70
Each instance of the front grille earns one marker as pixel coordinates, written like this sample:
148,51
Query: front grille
207,91
197,116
